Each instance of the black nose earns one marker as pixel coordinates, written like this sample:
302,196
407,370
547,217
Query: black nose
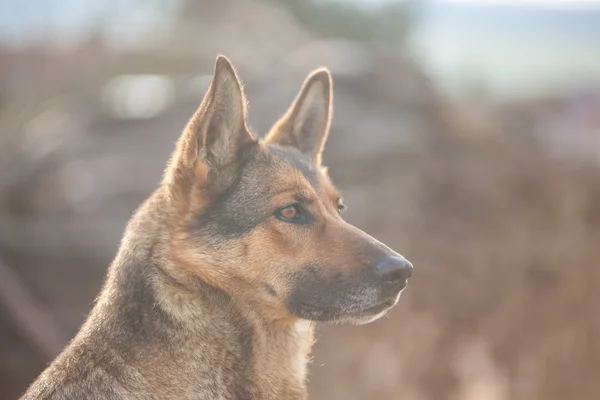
394,269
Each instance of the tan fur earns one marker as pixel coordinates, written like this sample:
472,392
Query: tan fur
307,106
201,301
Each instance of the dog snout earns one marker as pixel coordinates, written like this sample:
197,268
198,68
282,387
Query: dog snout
394,269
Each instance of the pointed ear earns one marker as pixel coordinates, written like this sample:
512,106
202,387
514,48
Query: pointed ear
305,125
211,146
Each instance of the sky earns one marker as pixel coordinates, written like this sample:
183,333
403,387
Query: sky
567,3
25,20
513,45
537,3
515,50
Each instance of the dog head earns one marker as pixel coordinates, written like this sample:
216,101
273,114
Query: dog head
261,219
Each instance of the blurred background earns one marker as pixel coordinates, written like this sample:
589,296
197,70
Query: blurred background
466,135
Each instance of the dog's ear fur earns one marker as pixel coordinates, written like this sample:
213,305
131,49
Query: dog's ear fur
209,151
305,125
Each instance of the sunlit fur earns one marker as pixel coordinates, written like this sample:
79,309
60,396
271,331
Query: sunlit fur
211,294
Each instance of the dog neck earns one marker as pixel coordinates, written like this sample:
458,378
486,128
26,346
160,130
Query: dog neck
200,316
280,348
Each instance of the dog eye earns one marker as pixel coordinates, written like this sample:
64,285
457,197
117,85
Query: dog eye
291,213
341,206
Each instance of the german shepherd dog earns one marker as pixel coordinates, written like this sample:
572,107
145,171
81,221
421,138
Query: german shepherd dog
224,268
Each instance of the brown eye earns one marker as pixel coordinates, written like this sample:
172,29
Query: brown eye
292,213
340,206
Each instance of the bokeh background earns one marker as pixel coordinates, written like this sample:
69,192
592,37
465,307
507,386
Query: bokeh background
466,135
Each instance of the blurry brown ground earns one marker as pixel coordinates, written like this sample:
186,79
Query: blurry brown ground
502,228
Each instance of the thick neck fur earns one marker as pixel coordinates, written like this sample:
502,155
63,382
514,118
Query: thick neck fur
157,334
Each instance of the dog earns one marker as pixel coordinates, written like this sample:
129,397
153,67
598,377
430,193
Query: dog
224,269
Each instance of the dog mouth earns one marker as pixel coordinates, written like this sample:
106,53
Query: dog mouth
369,314
358,312
375,309
348,301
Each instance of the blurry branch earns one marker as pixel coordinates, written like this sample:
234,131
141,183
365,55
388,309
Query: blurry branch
18,169
29,317
55,235
10,155
30,145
